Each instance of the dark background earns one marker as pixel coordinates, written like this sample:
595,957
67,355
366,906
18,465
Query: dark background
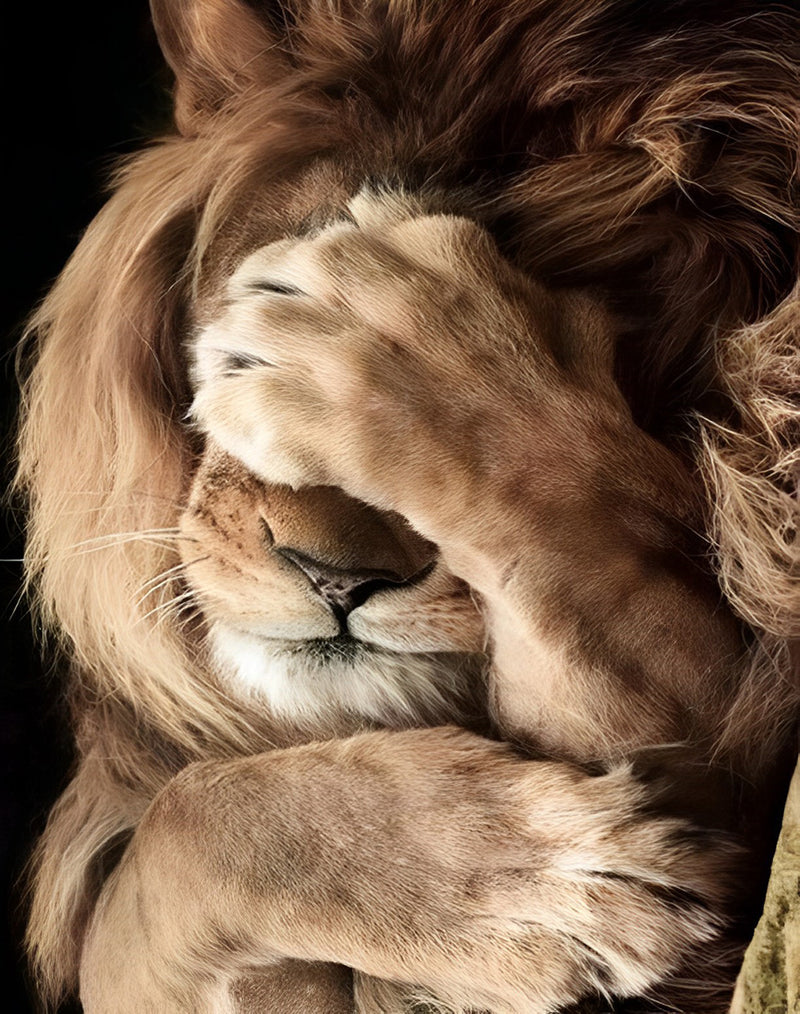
84,84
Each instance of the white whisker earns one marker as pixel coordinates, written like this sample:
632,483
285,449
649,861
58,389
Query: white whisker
137,533
147,536
165,608
164,577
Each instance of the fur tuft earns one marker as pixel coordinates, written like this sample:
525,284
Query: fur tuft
752,465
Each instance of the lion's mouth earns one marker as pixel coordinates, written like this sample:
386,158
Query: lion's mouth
312,679
342,649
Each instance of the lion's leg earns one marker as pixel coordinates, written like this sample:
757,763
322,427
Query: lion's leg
302,987
608,633
429,857
295,987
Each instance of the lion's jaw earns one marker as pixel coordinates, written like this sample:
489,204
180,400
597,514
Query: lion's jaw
409,654
311,682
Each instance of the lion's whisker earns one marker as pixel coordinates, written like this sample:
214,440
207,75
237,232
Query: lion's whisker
166,608
101,507
162,579
158,543
136,533
152,536
158,579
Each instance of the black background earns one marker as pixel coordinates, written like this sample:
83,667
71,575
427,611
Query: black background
83,85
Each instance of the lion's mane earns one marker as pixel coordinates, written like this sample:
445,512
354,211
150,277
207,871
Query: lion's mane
656,164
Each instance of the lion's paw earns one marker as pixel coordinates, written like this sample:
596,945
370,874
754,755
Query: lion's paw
372,356
545,885
616,900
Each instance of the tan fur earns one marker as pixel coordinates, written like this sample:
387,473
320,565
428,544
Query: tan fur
549,438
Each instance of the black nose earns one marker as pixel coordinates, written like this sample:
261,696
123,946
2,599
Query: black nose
345,590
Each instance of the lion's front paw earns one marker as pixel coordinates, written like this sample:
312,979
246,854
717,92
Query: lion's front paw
614,901
542,885
373,356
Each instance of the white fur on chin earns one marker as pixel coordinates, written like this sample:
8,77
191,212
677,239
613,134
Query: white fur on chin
307,682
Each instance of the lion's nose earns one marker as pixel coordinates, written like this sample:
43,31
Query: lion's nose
345,590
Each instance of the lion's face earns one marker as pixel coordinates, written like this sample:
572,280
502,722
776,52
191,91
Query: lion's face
319,605
315,602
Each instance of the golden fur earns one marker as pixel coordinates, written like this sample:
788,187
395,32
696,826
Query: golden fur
652,168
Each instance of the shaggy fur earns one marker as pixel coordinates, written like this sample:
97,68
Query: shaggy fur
645,151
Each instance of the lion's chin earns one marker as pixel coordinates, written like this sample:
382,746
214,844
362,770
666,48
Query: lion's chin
320,680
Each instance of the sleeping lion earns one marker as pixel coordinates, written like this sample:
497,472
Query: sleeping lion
410,450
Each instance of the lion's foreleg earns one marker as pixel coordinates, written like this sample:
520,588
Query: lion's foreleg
608,631
432,857
294,987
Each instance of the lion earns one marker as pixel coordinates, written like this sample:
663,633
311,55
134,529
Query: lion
410,448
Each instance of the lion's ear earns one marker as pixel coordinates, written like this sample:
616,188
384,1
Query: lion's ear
217,50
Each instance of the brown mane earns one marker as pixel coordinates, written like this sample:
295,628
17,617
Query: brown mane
655,164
